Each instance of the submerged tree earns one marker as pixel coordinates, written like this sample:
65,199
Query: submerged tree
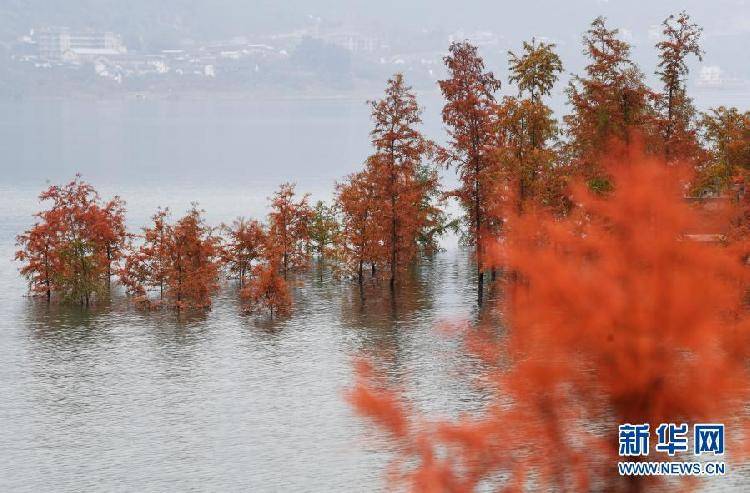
608,103
73,246
145,267
181,260
402,181
267,290
360,229
469,114
527,129
288,228
244,247
40,253
614,318
324,230
193,269
110,234
726,136
676,111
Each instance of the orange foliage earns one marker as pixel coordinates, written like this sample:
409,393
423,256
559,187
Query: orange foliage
267,289
181,260
615,317
608,102
72,248
193,270
360,232
268,256
244,247
145,266
675,109
39,252
401,181
469,114
288,230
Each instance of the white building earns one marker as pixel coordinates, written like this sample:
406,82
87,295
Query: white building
62,43
356,43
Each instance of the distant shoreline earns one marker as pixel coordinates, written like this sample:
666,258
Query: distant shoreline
739,95
222,95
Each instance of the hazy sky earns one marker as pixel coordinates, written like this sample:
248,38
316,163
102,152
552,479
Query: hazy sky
516,18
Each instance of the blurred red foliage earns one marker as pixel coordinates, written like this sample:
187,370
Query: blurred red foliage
612,316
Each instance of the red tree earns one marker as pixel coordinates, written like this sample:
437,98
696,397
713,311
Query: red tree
181,260
288,228
74,244
244,247
145,266
468,113
40,254
677,115
360,229
402,181
193,271
608,103
267,290
110,233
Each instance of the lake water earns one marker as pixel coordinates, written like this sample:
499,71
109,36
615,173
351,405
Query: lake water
115,399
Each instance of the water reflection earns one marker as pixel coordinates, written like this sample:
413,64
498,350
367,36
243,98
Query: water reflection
54,325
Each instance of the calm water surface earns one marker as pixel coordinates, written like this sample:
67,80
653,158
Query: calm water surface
115,399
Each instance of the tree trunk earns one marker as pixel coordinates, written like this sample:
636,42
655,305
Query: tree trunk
109,266
179,286
477,233
668,136
480,285
394,236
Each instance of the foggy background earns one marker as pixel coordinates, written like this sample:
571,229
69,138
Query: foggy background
249,94
325,47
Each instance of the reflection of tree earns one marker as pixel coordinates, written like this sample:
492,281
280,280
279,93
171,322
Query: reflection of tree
313,293
66,342
64,324
186,328
385,321
68,331
410,338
